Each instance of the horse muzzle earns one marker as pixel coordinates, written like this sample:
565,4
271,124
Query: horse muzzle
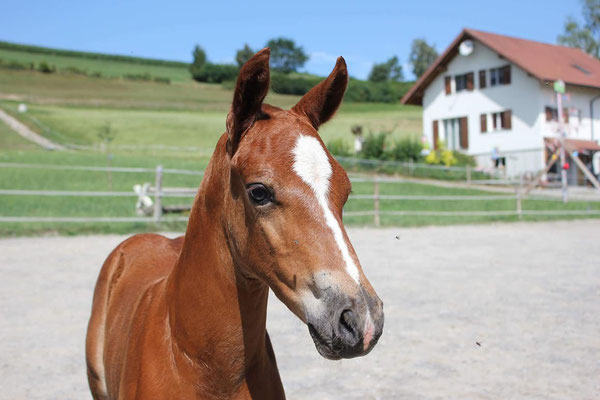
347,327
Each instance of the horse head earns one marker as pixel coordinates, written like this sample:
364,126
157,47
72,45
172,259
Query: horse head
284,214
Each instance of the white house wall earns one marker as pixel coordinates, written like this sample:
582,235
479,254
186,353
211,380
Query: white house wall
522,96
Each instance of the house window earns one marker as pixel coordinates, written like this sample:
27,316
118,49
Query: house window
500,76
483,122
464,82
482,79
502,120
456,133
552,114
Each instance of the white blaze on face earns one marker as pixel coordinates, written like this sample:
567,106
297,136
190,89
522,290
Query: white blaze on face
312,165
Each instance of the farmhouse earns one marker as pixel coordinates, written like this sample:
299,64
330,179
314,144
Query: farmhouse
491,96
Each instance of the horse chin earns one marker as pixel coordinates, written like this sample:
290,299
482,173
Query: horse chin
322,347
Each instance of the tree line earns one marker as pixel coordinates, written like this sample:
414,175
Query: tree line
385,82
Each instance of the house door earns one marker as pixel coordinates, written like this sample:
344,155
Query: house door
452,133
456,133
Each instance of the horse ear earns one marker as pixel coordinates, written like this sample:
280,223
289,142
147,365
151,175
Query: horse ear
250,91
323,100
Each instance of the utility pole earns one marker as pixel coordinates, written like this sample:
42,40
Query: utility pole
559,88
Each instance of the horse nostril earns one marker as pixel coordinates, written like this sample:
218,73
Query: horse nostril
348,323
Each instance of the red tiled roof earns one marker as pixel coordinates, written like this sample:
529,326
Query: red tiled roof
546,62
573,144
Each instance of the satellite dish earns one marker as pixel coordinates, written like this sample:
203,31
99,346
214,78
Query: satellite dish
466,48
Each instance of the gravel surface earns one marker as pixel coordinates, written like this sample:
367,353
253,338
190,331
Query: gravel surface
506,311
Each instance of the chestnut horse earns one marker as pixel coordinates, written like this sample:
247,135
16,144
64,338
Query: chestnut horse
185,318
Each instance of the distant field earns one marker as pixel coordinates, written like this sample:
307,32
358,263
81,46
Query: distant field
108,68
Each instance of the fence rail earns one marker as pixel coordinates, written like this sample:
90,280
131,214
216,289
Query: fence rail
100,169
158,192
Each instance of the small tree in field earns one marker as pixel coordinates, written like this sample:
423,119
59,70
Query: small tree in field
243,55
199,61
286,57
391,70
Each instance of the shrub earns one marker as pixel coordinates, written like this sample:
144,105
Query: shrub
46,68
383,92
285,84
162,79
408,148
374,146
463,159
215,73
339,147
138,77
74,70
14,65
441,156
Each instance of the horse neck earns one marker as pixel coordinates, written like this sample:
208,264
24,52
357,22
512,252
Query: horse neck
214,311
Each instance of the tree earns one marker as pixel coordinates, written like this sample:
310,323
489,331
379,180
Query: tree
586,37
391,70
199,60
243,55
286,57
422,55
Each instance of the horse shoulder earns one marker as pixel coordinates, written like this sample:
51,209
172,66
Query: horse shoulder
134,266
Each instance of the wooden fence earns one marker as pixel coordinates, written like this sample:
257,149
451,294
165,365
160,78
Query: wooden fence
159,191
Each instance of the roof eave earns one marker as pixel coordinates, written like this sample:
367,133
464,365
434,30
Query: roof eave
412,97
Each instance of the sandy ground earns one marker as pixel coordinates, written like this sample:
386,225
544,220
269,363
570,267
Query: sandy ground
529,294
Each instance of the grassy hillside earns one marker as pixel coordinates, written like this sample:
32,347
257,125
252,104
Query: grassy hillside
72,109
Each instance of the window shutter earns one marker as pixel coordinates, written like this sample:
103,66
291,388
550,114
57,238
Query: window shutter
548,114
464,133
435,135
482,79
448,84
507,119
470,79
507,75
566,115
483,119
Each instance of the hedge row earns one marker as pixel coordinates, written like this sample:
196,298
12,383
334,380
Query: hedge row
358,91
47,68
90,55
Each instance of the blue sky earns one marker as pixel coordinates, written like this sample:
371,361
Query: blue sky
363,32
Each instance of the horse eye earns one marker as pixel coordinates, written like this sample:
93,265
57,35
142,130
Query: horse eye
259,194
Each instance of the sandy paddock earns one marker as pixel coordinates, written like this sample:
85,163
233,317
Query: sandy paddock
504,311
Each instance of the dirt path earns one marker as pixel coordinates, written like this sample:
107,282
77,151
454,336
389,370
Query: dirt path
27,133
505,311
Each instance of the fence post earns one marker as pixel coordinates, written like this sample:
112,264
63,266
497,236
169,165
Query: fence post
376,218
519,198
411,167
468,175
158,194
